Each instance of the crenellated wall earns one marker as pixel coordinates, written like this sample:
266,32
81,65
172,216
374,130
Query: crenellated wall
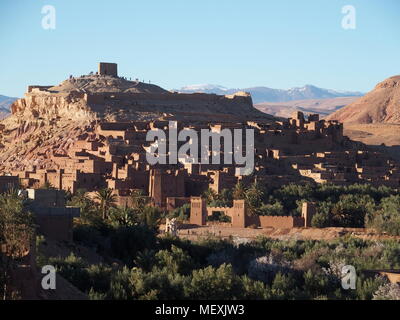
240,217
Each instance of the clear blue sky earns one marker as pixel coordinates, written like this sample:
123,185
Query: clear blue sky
280,44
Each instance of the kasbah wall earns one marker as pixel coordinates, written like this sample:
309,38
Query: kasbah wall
241,217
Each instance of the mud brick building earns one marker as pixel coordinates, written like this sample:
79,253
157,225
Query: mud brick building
107,147
296,150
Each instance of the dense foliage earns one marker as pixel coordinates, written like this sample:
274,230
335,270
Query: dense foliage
169,268
357,206
147,266
16,234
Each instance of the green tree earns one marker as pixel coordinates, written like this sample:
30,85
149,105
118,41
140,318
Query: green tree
126,242
151,217
351,210
139,200
107,200
387,218
176,260
181,213
88,213
283,286
275,209
210,195
16,234
239,191
213,284
145,260
123,216
254,196
226,198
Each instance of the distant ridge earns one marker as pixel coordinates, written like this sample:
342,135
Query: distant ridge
265,94
323,107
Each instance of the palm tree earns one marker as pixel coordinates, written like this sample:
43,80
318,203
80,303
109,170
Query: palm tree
80,198
123,216
16,233
254,196
239,192
107,200
151,217
145,259
139,200
210,195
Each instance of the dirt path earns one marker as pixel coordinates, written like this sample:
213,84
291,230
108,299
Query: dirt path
223,232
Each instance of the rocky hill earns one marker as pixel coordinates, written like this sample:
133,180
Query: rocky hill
98,97
381,105
104,83
50,119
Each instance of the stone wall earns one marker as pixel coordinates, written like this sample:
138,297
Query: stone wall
285,222
240,217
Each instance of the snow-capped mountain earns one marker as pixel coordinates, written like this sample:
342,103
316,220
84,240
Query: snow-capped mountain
265,94
203,88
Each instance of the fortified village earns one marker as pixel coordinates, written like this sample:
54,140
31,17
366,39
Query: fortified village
89,133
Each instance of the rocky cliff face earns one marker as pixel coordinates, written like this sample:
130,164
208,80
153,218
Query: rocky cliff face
381,105
45,105
98,97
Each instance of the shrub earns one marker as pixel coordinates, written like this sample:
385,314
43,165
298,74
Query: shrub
73,269
126,242
175,261
351,210
214,284
182,213
387,219
388,291
320,220
87,235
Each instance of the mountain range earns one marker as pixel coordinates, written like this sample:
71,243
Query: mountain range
265,94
